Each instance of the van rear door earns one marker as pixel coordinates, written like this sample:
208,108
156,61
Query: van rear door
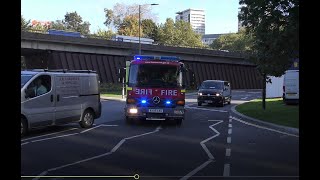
291,83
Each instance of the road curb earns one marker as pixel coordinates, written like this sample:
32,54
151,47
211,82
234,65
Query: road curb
286,129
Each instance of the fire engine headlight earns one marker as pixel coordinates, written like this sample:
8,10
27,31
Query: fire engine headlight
200,94
143,101
133,110
168,102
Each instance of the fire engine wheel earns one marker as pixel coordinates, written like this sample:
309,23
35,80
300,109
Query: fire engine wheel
128,120
179,121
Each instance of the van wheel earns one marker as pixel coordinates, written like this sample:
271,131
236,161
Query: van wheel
87,119
24,127
222,103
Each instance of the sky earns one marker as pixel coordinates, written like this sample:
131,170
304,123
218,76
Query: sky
220,15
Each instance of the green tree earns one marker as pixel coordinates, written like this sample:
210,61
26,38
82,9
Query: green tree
150,29
178,33
25,24
120,12
105,34
130,27
233,42
274,25
73,22
109,17
58,25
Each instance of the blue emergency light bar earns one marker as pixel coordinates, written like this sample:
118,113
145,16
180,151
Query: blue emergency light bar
165,58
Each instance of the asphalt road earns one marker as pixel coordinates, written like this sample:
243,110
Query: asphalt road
212,143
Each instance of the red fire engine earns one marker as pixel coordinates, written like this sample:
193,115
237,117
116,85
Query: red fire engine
156,89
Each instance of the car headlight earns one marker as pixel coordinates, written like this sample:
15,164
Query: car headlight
218,94
200,94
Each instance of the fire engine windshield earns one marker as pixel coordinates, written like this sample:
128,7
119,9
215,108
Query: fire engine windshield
148,75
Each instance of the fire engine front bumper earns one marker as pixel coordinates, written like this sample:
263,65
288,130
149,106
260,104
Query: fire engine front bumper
154,113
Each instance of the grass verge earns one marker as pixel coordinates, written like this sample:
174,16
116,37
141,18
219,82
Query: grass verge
276,112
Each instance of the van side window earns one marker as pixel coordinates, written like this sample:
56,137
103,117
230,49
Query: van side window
39,86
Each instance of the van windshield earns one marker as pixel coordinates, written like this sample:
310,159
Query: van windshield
25,78
212,85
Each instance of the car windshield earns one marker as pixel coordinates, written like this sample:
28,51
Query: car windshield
148,75
25,78
212,85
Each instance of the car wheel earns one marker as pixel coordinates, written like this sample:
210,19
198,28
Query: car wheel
87,119
199,103
229,102
24,127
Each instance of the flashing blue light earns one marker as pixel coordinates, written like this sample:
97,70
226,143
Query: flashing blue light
168,102
164,58
143,101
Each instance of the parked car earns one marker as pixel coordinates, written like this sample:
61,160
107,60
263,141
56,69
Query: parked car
59,97
214,92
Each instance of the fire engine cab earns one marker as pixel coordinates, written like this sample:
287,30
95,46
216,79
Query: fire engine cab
155,89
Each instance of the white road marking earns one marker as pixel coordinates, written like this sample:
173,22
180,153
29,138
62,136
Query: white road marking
228,140
101,155
229,131
24,143
261,127
230,125
245,98
254,92
42,174
206,109
108,125
66,135
90,129
196,170
211,158
226,170
55,137
230,120
228,152
49,134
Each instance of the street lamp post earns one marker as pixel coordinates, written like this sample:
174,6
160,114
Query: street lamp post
140,25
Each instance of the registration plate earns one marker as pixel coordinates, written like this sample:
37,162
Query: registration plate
155,110
208,101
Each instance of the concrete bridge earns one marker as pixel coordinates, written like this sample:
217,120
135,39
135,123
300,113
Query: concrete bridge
105,57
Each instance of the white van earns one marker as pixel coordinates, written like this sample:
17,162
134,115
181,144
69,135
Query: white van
54,97
291,86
